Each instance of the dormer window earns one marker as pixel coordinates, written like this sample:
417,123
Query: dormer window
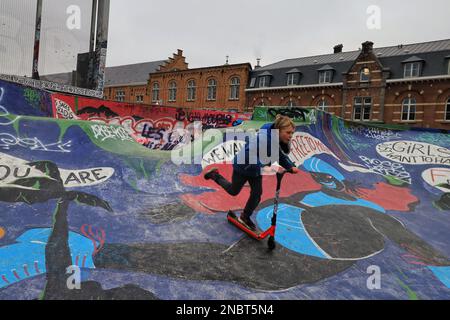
448,64
413,67
263,82
293,77
412,70
325,76
365,75
264,79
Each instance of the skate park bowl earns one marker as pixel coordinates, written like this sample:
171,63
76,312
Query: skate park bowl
106,196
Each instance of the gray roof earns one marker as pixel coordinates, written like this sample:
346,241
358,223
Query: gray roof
409,49
432,53
131,73
63,78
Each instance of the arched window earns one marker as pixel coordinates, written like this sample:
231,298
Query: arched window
172,91
447,110
365,75
322,105
235,84
409,109
212,90
155,92
191,90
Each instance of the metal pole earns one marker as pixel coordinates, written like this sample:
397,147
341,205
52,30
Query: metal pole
37,40
101,44
93,21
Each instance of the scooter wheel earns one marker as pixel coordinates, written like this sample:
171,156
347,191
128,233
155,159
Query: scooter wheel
271,243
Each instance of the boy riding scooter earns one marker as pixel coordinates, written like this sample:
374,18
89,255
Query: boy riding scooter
251,172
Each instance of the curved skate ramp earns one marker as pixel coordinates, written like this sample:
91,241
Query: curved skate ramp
368,201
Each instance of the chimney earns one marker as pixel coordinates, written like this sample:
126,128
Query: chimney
258,63
180,52
338,48
367,47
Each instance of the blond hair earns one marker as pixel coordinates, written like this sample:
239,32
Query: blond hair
282,122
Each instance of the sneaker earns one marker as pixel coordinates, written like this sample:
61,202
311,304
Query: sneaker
211,173
247,222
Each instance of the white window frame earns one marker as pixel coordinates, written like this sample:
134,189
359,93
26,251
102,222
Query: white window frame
252,82
139,98
235,87
155,92
362,74
120,95
447,111
291,104
191,90
364,105
409,103
448,66
263,82
212,90
409,69
172,91
322,105
291,77
325,76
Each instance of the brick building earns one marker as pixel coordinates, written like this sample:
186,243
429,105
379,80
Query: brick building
217,87
171,83
406,84
128,83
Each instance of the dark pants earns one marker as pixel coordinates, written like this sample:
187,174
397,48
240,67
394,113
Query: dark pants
236,185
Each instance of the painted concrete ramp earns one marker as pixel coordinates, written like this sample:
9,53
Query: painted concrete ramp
367,217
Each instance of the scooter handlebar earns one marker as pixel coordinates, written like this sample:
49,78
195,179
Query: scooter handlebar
280,176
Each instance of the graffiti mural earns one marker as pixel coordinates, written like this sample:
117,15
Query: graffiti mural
155,127
333,209
19,100
140,227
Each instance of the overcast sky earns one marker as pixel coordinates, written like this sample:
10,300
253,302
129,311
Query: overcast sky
208,30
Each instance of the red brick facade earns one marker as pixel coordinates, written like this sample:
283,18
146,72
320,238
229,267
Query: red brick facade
386,96
218,87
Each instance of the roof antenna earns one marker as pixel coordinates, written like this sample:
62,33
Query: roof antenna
227,57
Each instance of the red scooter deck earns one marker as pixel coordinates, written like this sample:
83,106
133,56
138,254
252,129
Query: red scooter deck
258,235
